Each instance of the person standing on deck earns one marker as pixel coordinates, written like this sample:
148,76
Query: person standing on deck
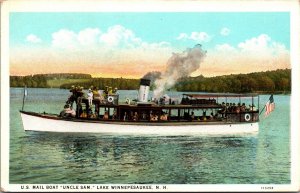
90,98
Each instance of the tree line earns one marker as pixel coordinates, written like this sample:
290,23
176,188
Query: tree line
41,80
269,81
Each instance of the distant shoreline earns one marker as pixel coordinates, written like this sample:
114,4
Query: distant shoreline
257,92
275,82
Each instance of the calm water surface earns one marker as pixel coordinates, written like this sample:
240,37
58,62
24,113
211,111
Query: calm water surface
37,157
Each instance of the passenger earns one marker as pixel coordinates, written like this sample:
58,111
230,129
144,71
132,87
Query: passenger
131,115
80,96
252,108
95,93
114,116
211,117
93,116
72,97
204,115
101,96
230,107
226,107
105,117
135,117
144,116
164,117
110,90
115,91
89,112
105,92
233,109
153,117
83,114
216,116
249,108
125,117
68,111
192,116
243,107
90,97
238,108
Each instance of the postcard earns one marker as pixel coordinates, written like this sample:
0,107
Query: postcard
157,96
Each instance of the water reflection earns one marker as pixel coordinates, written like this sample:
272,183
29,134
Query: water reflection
87,158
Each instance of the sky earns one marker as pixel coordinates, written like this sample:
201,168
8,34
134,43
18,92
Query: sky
121,44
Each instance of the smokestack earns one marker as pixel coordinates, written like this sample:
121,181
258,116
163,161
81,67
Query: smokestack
144,90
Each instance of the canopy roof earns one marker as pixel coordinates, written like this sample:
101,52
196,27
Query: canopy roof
217,95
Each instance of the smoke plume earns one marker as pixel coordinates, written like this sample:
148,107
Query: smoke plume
152,76
178,66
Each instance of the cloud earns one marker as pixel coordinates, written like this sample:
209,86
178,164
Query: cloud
33,39
88,36
225,31
115,50
196,36
262,45
120,36
64,38
256,46
182,36
225,48
115,37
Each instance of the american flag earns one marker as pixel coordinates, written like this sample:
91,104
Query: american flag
270,106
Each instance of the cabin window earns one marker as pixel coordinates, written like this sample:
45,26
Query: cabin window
174,114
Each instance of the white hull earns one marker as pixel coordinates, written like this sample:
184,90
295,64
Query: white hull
36,123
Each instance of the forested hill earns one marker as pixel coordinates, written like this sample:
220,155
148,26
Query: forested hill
269,81
47,80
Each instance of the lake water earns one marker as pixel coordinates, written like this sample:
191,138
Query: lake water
43,158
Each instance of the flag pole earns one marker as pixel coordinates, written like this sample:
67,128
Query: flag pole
24,94
262,110
265,105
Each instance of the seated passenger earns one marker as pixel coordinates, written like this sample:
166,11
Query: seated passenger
93,116
125,117
192,116
211,117
153,117
135,117
114,116
105,116
243,107
204,115
83,114
68,111
253,108
164,117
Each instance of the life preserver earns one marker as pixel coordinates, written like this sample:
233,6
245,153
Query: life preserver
110,99
128,101
247,117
